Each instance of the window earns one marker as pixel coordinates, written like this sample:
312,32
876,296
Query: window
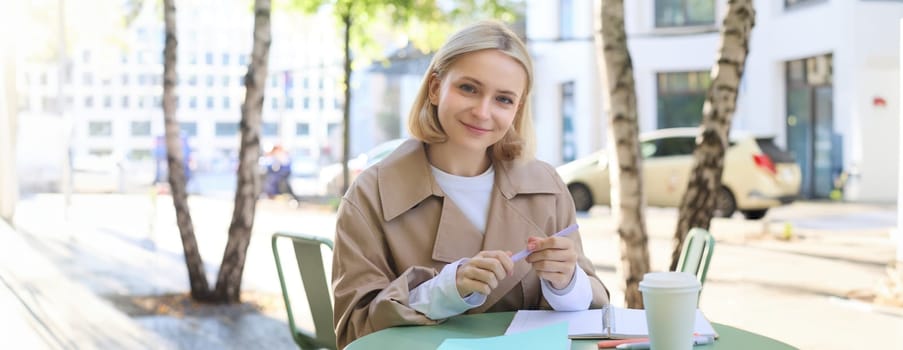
188,129
140,102
225,59
142,79
100,129
226,129
566,19
140,154
125,79
680,98
208,57
87,79
141,128
306,83
193,102
210,102
302,129
243,59
333,129
226,102
269,129
125,102
107,101
322,103
289,103
682,13
192,80
210,81
225,81
274,103
306,103
89,101
667,147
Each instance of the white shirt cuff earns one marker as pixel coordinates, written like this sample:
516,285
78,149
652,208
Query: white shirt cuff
578,294
438,298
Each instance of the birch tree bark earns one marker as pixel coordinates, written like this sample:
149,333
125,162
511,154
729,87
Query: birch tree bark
625,164
228,283
197,278
698,203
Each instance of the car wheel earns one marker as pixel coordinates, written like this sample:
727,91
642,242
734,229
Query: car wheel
725,204
583,198
754,214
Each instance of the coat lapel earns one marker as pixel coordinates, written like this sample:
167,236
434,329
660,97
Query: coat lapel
456,236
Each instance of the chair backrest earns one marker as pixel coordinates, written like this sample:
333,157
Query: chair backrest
697,253
313,276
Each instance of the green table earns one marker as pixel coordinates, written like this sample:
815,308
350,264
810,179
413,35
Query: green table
494,324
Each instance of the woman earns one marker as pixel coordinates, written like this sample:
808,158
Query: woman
427,233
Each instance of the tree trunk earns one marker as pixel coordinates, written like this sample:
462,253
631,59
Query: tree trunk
625,165
9,188
698,203
346,107
175,162
228,283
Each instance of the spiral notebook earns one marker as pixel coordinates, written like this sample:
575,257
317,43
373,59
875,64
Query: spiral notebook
610,322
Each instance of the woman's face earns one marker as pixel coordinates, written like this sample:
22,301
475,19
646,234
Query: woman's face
478,97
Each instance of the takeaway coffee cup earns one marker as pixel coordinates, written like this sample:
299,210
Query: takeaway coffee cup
670,300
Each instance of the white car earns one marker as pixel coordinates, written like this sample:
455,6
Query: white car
331,175
757,174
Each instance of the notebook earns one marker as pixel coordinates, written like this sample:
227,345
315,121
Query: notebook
610,322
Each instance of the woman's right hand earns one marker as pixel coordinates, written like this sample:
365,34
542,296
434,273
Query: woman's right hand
483,272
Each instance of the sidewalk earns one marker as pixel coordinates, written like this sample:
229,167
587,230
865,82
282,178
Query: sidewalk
43,308
795,291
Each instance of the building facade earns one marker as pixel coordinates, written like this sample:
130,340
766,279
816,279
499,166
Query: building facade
112,93
821,76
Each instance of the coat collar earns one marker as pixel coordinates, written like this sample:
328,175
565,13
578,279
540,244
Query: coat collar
408,164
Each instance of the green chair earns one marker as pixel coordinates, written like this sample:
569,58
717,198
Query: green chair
313,276
697,253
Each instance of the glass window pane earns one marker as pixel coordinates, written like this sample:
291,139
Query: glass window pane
270,129
700,12
141,128
188,129
226,129
100,128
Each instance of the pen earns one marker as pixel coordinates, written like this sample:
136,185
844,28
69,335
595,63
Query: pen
523,253
697,340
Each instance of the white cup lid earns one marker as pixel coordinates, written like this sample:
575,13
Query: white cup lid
669,280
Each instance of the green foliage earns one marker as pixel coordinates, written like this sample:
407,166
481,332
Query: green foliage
425,23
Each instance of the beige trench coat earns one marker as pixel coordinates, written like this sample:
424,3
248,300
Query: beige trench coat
396,229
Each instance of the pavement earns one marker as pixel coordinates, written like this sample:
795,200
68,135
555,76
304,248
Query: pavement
63,270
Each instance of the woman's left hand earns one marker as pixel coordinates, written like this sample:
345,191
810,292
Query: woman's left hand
554,259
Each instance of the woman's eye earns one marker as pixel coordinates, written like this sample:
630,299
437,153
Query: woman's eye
468,88
505,100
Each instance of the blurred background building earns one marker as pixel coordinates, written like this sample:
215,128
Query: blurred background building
112,92
822,76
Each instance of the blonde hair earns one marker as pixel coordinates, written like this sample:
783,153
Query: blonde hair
423,121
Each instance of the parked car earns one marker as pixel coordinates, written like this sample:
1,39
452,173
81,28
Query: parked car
757,175
331,175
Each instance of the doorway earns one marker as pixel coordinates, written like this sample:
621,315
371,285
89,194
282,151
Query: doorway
810,124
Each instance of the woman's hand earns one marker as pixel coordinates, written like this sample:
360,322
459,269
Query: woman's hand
554,259
483,272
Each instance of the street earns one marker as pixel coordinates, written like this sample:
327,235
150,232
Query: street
802,290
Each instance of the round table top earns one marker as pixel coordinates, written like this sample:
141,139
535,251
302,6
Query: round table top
495,324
